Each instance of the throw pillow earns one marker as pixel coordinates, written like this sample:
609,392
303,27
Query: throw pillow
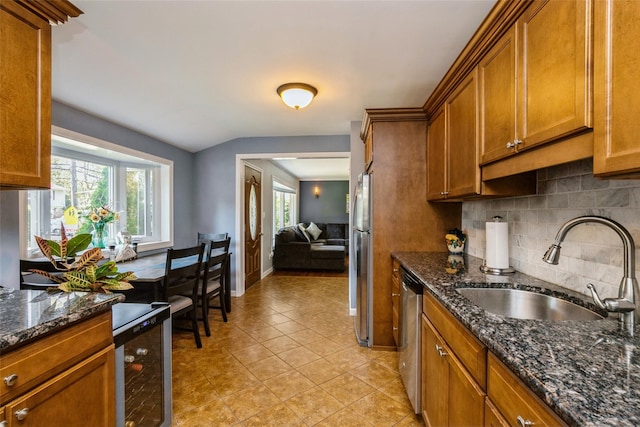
314,231
304,231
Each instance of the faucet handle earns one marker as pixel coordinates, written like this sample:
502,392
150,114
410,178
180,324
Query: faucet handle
613,305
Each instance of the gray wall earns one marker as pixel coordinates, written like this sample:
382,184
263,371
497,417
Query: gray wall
591,253
215,171
69,118
330,207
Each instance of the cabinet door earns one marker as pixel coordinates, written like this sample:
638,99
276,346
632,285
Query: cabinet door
554,83
437,157
617,72
368,150
435,372
25,98
497,79
81,396
462,167
492,417
466,398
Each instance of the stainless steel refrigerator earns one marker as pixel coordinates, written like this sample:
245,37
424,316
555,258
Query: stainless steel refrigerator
363,256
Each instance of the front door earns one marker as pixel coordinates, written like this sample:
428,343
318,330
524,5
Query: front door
252,225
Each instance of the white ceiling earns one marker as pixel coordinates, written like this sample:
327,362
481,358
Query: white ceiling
198,73
307,169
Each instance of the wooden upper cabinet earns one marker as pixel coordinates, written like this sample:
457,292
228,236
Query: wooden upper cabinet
25,90
554,80
437,156
452,160
536,80
497,76
616,75
463,173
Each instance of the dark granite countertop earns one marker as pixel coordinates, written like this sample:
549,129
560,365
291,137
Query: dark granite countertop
588,372
27,315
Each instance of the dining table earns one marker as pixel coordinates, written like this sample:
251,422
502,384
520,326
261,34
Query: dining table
147,286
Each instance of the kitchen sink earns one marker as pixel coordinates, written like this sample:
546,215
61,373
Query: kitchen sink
521,304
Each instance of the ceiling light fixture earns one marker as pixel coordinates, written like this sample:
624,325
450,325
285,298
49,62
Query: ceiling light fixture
297,95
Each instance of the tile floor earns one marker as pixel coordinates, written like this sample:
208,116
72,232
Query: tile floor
287,357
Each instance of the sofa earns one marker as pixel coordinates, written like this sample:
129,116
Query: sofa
297,249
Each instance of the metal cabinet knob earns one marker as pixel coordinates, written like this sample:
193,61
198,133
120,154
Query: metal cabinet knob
11,380
441,352
524,423
142,351
22,414
395,328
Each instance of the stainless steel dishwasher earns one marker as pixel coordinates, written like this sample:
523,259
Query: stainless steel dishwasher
410,337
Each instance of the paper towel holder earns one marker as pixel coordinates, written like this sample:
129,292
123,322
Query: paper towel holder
484,268
496,271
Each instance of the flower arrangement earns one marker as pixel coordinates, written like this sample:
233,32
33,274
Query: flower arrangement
99,217
84,273
455,240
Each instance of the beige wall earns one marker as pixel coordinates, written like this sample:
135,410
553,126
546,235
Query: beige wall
591,253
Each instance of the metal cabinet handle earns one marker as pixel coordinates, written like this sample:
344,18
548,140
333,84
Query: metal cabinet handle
142,351
444,193
395,270
393,294
524,423
514,143
11,380
22,414
395,328
440,351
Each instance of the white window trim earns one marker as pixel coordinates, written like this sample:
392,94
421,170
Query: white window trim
166,199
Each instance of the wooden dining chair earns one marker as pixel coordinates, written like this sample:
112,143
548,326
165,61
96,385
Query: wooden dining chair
30,280
213,280
180,287
210,237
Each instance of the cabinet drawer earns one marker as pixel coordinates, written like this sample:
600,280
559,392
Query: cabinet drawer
513,399
41,360
471,352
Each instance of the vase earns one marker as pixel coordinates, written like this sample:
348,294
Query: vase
99,235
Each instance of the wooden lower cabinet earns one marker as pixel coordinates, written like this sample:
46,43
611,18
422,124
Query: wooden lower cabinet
64,379
493,417
450,396
82,395
514,400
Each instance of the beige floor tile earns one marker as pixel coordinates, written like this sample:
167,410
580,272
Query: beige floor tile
289,384
276,416
344,418
314,405
287,357
374,374
251,401
379,409
298,356
252,354
214,413
347,388
269,368
280,344
320,371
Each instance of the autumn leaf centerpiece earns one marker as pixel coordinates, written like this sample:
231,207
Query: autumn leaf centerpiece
81,273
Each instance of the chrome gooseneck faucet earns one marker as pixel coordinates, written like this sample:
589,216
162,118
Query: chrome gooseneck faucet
625,304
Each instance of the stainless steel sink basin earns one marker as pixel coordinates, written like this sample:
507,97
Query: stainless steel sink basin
520,304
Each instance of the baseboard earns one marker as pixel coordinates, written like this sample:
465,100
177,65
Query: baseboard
353,312
266,273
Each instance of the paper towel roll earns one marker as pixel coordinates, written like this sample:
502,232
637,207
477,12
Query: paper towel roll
497,251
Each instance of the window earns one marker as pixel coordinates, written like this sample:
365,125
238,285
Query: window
88,173
284,206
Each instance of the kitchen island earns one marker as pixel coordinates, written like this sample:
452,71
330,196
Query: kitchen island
587,372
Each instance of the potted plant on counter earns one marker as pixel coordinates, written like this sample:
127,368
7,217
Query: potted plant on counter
81,273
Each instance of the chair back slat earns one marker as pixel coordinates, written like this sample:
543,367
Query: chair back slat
206,238
182,270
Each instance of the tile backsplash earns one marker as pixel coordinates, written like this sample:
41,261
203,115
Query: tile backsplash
591,253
